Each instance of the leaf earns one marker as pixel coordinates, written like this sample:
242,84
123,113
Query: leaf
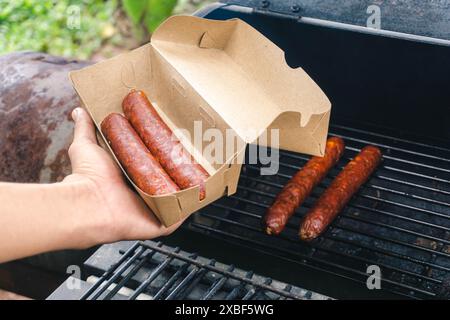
157,12
135,9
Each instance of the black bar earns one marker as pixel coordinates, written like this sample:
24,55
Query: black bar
155,273
129,275
216,286
108,272
171,281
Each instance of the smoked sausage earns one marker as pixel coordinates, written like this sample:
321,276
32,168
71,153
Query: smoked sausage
162,143
340,191
138,162
301,185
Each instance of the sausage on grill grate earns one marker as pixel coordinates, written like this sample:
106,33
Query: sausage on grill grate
138,162
161,142
301,185
340,191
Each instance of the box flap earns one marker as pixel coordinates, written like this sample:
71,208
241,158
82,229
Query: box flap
244,77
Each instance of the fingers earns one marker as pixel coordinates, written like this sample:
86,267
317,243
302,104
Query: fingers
84,135
84,127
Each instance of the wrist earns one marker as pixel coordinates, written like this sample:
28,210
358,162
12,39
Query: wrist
84,225
37,218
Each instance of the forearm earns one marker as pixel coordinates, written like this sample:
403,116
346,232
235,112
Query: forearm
36,218
92,205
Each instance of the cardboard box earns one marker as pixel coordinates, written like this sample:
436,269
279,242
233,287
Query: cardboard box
226,75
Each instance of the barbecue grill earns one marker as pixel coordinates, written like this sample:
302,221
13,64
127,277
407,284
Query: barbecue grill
388,89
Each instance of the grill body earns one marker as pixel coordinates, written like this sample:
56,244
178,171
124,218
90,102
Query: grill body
389,90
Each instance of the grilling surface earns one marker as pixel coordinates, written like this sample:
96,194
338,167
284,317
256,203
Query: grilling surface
399,220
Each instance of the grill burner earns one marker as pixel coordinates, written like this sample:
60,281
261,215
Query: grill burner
154,271
399,220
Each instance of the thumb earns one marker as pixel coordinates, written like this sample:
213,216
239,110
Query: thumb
84,127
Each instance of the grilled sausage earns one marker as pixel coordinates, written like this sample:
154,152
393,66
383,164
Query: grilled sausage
301,185
161,142
134,156
340,191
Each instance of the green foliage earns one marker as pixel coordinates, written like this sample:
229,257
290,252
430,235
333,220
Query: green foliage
44,25
150,13
134,9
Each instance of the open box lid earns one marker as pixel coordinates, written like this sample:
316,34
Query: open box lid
227,65
244,77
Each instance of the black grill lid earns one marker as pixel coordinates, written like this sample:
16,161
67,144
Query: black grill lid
418,17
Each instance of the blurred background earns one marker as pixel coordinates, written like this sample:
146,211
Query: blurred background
84,29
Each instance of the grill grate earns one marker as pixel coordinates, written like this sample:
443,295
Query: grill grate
149,270
399,220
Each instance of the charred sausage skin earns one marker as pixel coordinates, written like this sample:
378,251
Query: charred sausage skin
340,191
301,185
138,162
162,143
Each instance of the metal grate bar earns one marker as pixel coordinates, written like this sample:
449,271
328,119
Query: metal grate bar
414,163
155,273
249,294
128,276
381,145
109,272
183,283
166,287
259,293
196,280
288,288
409,195
410,184
216,285
237,290
105,286
415,174
379,135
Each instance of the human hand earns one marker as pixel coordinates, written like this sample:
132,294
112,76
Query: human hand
108,207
